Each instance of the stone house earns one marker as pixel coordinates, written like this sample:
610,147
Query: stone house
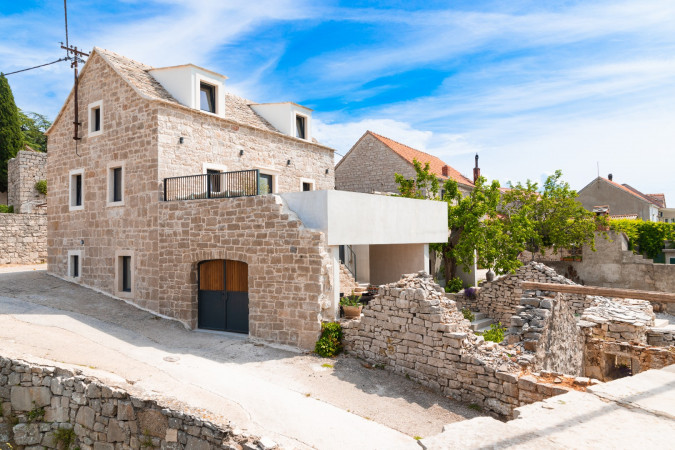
198,205
371,163
622,199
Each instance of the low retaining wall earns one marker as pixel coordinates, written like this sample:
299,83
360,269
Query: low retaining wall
411,328
39,401
23,238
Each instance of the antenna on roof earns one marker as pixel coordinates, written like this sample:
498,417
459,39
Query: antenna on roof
71,50
598,163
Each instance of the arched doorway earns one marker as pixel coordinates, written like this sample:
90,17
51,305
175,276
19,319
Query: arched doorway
223,296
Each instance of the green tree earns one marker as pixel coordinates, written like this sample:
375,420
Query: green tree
550,218
11,138
33,126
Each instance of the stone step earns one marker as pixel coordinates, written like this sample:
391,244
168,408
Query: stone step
660,323
481,323
479,315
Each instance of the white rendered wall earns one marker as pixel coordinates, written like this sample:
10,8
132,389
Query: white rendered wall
182,82
353,218
362,253
389,262
282,117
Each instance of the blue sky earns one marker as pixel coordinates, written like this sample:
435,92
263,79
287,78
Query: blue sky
531,86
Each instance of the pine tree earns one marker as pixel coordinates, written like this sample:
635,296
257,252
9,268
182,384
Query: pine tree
11,137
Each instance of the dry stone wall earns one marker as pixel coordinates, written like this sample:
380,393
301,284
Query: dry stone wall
411,328
41,404
23,238
23,171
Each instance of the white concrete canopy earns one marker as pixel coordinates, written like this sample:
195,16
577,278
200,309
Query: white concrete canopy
353,218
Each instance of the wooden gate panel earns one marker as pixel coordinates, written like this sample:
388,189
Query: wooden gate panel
236,276
211,275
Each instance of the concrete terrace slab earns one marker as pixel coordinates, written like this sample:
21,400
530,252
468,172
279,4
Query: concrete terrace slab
298,400
579,420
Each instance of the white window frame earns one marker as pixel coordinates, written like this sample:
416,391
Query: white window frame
311,182
110,179
69,275
90,110
219,167
218,94
295,130
71,187
275,177
118,273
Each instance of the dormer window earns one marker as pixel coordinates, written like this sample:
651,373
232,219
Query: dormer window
207,97
300,127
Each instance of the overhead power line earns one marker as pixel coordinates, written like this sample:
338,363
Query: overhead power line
36,67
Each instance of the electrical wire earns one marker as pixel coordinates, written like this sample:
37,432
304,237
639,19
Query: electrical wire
36,67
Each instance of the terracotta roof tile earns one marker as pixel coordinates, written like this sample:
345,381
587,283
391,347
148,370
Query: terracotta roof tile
660,199
435,164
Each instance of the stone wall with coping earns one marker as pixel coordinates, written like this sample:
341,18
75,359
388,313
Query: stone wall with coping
23,171
23,238
289,266
411,328
500,298
37,401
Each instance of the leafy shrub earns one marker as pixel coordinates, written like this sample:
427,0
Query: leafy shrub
470,292
41,186
454,285
330,342
468,315
646,238
495,333
6,209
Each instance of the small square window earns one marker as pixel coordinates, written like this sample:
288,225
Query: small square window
76,194
306,186
266,184
207,97
300,127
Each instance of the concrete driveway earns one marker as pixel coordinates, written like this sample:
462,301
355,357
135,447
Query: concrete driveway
298,400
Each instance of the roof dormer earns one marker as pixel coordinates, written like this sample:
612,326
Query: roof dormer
194,87
289,118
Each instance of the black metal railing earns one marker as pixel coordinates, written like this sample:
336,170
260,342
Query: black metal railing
242,183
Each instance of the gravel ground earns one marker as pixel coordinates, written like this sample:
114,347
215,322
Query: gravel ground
296,398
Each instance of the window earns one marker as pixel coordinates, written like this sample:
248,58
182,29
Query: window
124,273
116,184
76,197
214,180
266,183
306,184
207,97
74,263
300,127
95,118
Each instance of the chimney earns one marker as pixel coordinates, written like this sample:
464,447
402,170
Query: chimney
445,171
609,177
476,171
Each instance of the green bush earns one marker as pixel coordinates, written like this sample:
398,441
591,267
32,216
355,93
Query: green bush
41,187
330,342
6,209
495,333
646,238
454,285
468,315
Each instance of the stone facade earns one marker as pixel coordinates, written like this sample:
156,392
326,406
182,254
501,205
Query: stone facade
38,401
142,127
23,171
621,200
411,328
23,238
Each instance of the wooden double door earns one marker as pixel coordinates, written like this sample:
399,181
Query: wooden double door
223,296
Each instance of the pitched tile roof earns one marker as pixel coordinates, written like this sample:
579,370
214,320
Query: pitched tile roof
435,164
658,198
630,190
137,74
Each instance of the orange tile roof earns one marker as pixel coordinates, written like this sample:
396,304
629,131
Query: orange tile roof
630,191
658,198
435,164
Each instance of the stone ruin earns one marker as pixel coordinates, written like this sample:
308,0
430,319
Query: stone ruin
555,342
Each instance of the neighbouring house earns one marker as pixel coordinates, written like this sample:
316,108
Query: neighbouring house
26,169
371,163
623,200
198,205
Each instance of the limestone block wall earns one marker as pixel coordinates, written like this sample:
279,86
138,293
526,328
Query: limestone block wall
23,238
500,298
38,401
370,167
214,141
411,328
23,171
289,266
603,359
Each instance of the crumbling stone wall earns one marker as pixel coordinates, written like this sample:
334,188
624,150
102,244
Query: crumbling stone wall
23,171
500,298
23,238
37,401
411,328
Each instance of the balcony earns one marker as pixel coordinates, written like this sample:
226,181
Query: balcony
242,183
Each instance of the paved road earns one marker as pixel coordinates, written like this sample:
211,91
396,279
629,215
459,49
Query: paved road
296,399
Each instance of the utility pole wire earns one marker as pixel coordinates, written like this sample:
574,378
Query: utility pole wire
41,65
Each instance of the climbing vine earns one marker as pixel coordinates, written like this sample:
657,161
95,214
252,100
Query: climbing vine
646,238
